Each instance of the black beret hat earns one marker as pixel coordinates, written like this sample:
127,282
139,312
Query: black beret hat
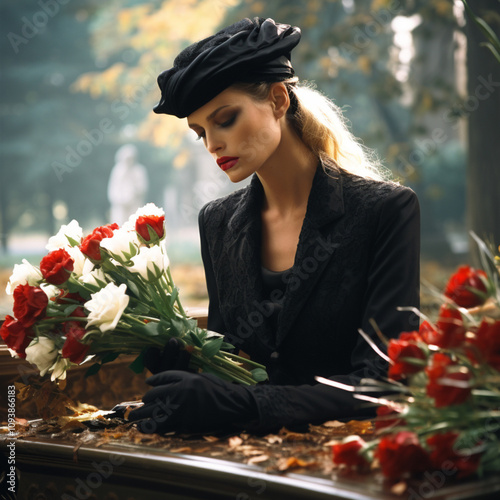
252,51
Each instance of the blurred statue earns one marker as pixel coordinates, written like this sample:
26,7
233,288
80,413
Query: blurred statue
127,185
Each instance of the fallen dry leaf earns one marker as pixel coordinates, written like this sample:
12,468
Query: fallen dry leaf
273,439
399,488
293,463
258,459
210,439
333,424
234,442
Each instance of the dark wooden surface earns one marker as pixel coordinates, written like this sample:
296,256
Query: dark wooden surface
51,468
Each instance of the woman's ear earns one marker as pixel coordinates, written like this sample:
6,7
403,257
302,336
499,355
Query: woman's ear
280,100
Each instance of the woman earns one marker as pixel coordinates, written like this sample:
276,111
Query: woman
301,259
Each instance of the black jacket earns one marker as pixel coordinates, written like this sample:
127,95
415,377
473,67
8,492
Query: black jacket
357,258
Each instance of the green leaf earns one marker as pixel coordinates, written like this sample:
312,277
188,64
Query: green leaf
137,366
194,339
93,370
70,309
151,329
141,309
259,375
133,288
173,296
72,242
211,347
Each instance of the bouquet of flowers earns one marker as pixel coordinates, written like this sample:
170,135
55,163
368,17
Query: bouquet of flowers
105,294
441,414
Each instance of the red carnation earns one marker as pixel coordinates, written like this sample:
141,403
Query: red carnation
443,455
73,349
155,222
488,341
30,303
16,336
401,454
91,244
57,266
451,327
347,453
401,350
445,393
467,287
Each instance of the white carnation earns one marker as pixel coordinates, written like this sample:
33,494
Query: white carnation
151,259
81,264
60,240
42,353
106,306
95,277
122,245
23,274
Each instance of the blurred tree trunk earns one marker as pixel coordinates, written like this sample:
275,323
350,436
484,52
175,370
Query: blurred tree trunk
483,107
3,217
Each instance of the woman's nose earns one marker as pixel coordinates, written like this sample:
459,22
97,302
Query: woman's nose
213,144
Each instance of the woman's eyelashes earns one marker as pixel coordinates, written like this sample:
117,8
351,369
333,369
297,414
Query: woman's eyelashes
224,124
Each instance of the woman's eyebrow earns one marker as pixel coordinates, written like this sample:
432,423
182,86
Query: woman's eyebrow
210,116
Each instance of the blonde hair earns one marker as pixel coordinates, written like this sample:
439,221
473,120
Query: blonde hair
322,127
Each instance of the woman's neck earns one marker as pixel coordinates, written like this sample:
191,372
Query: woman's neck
287,176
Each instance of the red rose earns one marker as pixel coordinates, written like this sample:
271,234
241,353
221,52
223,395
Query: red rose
443,455
467,287
447,387
400,350
150,227
488,341
347,453
30,303
401,454
16,336
73,349
57,266
91,244
383,413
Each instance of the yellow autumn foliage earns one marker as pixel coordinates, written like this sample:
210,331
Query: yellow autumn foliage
156,34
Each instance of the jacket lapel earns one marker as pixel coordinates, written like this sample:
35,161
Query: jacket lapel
240,258
316,247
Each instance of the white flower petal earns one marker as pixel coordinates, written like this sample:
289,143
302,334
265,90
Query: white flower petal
42,353
60,240
23,274
107,306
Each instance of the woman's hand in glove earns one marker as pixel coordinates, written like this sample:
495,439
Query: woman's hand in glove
193,402
172,357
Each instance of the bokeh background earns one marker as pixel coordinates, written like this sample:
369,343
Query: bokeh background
78,82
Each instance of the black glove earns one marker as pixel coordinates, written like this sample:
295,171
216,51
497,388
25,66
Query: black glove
194,402
172,357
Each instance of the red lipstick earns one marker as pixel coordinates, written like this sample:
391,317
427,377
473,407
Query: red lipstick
227,162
